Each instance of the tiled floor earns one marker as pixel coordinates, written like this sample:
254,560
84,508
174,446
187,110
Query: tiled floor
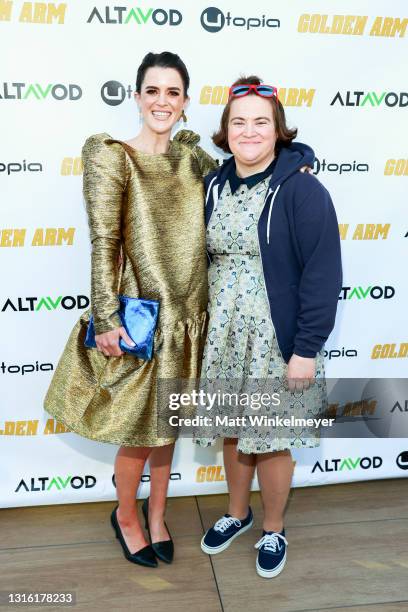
347,552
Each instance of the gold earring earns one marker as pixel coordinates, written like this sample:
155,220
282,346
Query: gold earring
183,116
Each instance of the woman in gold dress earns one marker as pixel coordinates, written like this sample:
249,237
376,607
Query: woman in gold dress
144,201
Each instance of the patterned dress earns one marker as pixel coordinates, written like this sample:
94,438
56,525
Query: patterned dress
241,342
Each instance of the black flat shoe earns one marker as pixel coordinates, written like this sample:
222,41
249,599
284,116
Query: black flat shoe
145,556
164,550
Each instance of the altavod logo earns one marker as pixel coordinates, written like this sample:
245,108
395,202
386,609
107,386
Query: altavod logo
35,91
34,304
59,483
213,20
371,98
348,463
361,293
135,16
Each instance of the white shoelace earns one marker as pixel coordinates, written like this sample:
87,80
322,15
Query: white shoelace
226,521
270,541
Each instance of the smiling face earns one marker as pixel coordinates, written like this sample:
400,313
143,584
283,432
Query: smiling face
161,99
251,131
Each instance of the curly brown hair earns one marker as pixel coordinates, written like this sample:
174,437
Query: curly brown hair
285,135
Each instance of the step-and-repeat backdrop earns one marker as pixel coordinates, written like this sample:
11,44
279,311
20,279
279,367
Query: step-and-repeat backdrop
67,71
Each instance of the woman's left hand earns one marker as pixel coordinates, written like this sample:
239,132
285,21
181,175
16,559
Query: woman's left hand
307,169
301,372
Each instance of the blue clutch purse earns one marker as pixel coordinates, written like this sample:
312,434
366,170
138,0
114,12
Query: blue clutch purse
139,318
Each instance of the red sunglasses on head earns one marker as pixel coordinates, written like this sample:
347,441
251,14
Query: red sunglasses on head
265,91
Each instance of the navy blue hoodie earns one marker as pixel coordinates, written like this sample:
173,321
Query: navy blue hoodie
299,244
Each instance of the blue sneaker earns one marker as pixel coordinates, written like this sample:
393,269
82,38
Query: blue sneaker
224,531
271,557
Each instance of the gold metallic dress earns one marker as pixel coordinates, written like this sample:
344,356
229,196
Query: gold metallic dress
150,208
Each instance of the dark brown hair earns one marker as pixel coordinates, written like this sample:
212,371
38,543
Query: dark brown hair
285,135
166,59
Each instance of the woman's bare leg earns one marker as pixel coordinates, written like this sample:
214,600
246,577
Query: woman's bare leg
160,460
275,471
129,465
239,469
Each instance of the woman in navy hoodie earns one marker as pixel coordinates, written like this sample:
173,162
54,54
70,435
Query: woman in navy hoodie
274,280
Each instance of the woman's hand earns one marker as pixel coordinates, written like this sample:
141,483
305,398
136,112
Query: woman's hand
108,343
307,169
301,372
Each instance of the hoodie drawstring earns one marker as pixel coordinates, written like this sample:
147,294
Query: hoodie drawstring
215,196
209,190
268,225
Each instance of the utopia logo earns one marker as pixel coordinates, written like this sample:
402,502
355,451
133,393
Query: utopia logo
402,460
339,167
12,167
136,16
371,98
213,20
146,477
114,93
335,353
26,368
34,304
58,483
359,293
34,12
349,464
25,91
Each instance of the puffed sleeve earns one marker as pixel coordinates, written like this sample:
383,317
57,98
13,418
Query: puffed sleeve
191,139
104,182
